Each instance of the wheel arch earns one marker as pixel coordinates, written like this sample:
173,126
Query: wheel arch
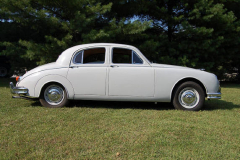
48,84
187,80
56,79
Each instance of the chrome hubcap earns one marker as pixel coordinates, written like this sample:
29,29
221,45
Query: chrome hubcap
188,97
3,71
54,94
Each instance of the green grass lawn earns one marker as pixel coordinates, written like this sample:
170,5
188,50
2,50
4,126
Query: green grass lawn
119,130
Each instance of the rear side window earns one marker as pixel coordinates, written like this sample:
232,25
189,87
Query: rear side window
90,56
121,55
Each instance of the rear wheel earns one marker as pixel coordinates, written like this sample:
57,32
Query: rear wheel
53,96
189,96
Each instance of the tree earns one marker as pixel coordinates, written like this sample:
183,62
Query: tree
54,26
193,33
196,33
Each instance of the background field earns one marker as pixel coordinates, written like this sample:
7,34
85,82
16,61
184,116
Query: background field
119,130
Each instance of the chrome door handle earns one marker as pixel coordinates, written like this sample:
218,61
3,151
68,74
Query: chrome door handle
113,66
73,67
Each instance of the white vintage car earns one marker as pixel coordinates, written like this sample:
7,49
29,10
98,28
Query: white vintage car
115,72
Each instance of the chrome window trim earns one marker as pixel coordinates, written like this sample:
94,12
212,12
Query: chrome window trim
82,51
74,58
137,56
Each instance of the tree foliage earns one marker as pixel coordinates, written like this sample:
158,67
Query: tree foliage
193,33
53,26
196,33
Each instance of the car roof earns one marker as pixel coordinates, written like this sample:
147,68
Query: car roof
100,44
65,57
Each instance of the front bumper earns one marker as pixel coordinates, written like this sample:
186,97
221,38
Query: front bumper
214,95
18,90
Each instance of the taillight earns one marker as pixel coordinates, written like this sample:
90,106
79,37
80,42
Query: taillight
17,78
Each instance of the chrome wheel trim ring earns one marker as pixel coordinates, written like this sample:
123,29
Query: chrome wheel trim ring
54,95
3,71
189,97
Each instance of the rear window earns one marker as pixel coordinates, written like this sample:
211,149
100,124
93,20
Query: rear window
90,56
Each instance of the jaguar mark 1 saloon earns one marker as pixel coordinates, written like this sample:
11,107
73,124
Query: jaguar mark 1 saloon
115,72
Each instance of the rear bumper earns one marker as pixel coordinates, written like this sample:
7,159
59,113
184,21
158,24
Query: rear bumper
214,95
18,90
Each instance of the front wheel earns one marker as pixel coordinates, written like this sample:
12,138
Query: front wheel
53,96
189,96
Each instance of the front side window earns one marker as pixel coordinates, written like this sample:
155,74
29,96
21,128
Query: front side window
90,56
127,56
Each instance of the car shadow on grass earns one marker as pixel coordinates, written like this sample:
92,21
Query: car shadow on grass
113,105
122,105
208,106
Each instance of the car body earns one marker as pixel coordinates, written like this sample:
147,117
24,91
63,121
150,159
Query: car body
116,72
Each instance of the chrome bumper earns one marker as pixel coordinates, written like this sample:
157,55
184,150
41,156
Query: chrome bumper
18,90
214,95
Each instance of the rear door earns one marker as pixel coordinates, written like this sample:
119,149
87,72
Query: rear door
129,74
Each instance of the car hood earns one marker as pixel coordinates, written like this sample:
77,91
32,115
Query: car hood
168,66
48,66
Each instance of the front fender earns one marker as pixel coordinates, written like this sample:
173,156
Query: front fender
54,78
